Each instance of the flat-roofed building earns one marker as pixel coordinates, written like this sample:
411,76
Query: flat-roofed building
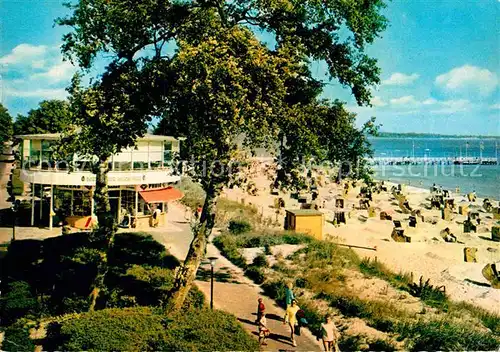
140,181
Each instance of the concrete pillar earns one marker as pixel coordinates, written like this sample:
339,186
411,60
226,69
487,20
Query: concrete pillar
32,204
72,201
92,203
136,202
119,204
51,207
41,202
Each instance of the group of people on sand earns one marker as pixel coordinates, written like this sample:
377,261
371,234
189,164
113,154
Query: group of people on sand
294,318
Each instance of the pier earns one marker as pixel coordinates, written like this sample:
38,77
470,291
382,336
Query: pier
432,161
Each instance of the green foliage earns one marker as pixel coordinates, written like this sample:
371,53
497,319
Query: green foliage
139,248
260,261
51,116
17,301
228,247
275,290
17,337
379,269
237,227
267,249
221,84
5,126
489,319
144,329
228,210
205,330
271,238
443,335
193,193
382,345
108,329
255,273
433,296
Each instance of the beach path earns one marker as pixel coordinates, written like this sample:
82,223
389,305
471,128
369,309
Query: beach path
233,292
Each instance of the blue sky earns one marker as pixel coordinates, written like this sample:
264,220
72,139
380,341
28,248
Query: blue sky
440,62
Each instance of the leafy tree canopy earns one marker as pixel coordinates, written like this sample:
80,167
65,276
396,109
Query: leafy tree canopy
220,82
51,116
5,126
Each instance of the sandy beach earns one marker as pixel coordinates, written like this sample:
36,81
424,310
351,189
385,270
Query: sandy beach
427,255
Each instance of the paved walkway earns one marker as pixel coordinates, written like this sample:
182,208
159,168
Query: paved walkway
233,292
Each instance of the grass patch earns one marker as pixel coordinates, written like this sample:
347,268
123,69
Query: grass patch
489,319
443,335
433,296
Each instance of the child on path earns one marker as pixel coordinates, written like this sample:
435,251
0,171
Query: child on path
330,335
263,330
260,309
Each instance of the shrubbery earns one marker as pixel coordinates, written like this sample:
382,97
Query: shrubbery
17,302
260,261
237,227
128,329
228,246
255,273
147,330
443,335
17,337
205,330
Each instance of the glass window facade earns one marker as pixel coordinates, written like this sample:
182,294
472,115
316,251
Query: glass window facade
167,153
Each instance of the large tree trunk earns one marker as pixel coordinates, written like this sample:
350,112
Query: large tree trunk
186,273
106,226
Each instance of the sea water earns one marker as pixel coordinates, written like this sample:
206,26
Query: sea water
484,179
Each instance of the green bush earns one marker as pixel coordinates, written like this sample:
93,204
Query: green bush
270,238
255,274
275,290
205,330
142,329
16,302
193,193
382,345
260,261
137,248
129,329
237,227
228,246
17,337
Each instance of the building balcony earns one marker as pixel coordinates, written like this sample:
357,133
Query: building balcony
87,178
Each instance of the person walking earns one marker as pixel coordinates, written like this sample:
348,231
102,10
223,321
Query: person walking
291,319
263,330
330,335
261,308
289,296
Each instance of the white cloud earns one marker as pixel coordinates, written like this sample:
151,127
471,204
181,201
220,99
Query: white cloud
59,72
495,106
23,54
42,93
429,101
377,101
468,79
406,100
400,79
452,106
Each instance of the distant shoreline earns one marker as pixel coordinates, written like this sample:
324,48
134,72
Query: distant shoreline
431,135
